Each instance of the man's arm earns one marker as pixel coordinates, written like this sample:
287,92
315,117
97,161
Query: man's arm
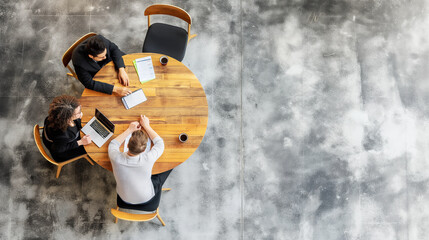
144,122
157,149
134,126
113,149
116,56
158,143
86,79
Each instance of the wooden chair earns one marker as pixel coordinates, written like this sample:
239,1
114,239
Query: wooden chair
68,54
164,38
39,145
134,216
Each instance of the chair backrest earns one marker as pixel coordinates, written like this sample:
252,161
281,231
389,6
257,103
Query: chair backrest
39,144
168,10
132,216
68,54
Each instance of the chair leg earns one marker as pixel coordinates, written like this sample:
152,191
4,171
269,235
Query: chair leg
166,189
116,219
59,170
88,159
160,219
191,36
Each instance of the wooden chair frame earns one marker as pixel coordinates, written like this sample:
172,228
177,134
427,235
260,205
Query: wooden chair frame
68,54
137,217
171,10
39,144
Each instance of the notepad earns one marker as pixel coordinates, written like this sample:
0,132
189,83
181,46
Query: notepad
134,99
144,69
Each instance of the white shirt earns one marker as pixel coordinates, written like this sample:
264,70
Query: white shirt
133,174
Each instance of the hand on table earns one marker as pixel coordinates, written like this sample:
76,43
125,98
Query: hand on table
144,121
85,140
122,91
134,126
123,77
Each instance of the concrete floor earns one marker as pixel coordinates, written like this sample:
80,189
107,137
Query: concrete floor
318,122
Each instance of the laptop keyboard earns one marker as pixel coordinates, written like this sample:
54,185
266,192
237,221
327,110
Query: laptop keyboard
100,129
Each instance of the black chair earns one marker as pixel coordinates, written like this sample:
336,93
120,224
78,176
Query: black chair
164,38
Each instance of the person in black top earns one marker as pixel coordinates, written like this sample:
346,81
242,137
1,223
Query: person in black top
91,55
61,132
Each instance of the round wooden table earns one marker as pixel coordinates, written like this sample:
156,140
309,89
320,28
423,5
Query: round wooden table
176,103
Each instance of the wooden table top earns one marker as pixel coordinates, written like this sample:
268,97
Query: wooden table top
176,103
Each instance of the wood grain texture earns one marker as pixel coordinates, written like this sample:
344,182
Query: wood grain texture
176,104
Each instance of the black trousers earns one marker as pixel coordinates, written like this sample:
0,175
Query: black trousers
159,179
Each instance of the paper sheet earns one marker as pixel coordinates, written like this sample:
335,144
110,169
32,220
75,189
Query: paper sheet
144,68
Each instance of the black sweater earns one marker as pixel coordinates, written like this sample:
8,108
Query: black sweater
59,142
86,67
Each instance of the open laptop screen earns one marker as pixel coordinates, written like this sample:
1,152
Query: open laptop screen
103,119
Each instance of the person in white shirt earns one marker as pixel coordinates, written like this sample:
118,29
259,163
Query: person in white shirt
135,183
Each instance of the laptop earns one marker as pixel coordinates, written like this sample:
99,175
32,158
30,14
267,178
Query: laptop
99,128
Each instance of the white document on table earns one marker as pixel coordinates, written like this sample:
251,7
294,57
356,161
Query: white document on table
134,99
145,69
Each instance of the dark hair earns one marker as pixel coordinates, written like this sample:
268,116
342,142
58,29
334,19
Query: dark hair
95,45
61,111
137,143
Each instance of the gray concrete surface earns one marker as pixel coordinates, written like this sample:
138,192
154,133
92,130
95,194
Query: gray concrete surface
318,122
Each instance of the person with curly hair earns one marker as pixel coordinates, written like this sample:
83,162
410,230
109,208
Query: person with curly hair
61,132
